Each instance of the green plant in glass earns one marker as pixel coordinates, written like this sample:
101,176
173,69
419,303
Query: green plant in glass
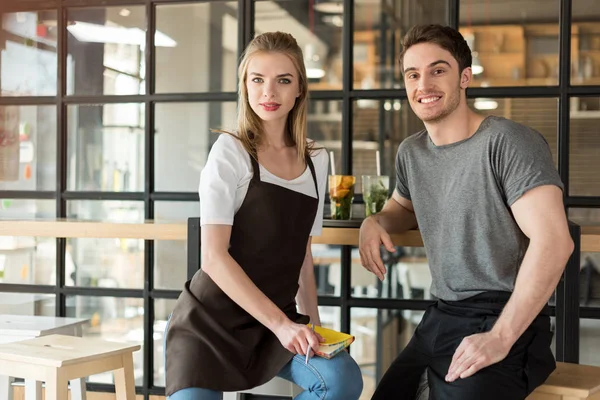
375,193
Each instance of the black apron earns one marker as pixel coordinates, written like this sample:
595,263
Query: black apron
442,329
212,343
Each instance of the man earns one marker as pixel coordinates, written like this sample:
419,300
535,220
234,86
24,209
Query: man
488,202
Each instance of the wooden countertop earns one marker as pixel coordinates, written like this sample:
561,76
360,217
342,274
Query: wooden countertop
334,232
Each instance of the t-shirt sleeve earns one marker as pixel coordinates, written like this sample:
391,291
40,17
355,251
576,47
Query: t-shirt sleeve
219,181
401,172
321,170
524,162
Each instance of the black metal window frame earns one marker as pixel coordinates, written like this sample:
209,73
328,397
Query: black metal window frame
566,309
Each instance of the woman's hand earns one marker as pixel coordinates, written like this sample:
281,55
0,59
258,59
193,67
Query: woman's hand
297,337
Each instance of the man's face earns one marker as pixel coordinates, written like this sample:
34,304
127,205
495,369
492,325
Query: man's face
433,82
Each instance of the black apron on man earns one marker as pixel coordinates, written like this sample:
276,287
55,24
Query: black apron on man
442,328
212,343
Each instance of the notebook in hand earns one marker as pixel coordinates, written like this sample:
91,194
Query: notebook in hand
334,341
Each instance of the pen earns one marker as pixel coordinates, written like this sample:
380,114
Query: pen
309,349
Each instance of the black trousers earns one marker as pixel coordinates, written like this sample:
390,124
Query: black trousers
444,325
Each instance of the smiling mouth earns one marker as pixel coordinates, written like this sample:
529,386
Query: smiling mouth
429,100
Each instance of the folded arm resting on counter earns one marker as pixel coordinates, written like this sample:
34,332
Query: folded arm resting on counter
550,247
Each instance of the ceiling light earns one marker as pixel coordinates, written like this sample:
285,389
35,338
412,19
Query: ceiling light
335,20
312,61
329,6
86,32
125,12
476,66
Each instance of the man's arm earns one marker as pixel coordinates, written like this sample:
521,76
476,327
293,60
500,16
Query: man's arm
540,215
397,216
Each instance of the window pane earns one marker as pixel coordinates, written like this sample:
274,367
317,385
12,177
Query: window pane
27,209
106,148
28,61
105,263
112,262
28,260
585,216
324,125
106,50
196,50
28,159
407,277
510,47
328,271
380,336
589,339
585,43
584,151
183,139
318,31
27,304
378,30
170,256
162,310
106,211
116,319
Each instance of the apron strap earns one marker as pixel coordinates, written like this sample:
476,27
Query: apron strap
255,169
312,171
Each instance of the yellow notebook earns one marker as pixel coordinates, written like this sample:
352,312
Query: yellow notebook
334,341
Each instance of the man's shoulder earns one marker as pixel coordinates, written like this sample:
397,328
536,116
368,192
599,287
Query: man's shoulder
415,140
508,131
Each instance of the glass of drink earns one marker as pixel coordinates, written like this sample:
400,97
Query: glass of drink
341,195
375,190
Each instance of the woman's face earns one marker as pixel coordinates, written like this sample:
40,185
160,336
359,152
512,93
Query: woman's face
273,85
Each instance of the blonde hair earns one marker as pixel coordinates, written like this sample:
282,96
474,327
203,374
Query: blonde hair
249,129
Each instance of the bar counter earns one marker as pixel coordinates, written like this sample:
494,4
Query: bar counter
334,232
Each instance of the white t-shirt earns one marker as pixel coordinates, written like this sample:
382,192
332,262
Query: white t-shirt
226,176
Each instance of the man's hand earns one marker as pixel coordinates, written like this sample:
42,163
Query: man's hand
372,235
475,353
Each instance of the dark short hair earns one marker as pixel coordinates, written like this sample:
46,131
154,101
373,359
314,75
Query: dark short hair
446,37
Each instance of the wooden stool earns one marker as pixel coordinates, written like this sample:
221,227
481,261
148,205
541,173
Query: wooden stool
14,328
570,382
56,359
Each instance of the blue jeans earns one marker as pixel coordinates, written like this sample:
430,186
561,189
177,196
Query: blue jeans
336,379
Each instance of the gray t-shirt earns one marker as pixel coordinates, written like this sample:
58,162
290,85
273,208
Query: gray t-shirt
462,193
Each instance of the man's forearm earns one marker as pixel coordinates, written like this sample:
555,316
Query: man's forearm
538,276
394,218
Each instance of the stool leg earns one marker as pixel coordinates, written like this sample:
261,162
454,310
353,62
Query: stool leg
124,379
78,390
33,390
57,387
6,387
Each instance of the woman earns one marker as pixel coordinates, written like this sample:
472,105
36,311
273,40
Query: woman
235,325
